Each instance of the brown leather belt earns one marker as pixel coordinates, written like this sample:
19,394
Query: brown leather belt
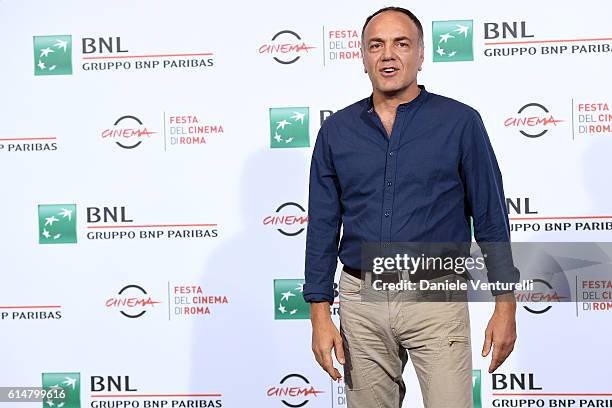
394,277
387,277
356,273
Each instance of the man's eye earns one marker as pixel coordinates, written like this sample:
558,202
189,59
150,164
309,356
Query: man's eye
403,44
377,45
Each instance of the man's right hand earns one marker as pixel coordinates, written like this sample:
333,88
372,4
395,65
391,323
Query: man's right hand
325,336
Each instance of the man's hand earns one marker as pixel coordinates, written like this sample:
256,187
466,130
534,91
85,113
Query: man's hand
325,336
501,331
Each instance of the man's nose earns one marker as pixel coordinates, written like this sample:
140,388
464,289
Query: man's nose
388,53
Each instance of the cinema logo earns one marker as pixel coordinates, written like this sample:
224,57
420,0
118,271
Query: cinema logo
128,132
532,120
294,390
286,47
131,301
289,219
542,296
192,300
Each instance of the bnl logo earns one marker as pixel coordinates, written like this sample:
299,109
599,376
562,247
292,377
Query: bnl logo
62,390
53,53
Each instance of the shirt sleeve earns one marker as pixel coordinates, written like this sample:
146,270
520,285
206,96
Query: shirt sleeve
324,220
482,181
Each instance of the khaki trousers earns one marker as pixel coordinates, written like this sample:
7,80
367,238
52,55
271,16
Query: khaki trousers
379,335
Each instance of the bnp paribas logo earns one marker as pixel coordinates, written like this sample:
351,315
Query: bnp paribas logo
53,55
57,224
453,40
288,300
289,127
62,390
476,388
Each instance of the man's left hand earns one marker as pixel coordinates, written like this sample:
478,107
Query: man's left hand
501,331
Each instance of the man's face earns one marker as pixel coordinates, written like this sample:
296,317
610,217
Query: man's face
392,53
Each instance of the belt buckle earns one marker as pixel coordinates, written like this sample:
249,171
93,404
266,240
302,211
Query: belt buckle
390,277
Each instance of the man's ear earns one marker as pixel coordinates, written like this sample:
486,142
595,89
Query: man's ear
422,57
363,60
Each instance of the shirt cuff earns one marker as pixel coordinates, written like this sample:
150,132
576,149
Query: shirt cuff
318,293
508,275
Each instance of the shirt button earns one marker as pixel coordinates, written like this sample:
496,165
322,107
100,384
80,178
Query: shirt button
387,213
389,184
390,153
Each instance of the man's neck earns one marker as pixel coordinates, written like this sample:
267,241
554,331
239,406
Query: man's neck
389,102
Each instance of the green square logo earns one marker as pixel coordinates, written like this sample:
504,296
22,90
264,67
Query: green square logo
476,388
288,300
53,55
63,389
57,224
289,128
453,40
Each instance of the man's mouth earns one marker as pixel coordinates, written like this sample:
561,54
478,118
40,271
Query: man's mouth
388,71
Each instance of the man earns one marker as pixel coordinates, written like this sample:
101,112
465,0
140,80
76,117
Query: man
403,165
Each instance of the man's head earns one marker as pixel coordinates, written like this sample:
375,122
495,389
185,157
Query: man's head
393,50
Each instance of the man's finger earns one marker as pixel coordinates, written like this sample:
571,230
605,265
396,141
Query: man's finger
333,372
339,349
337,373
488,342
328,366
494,365
317,355
326,363
500,353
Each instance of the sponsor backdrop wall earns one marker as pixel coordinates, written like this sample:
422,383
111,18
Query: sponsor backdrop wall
154,162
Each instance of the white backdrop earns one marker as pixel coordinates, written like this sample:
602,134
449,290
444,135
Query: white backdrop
208,200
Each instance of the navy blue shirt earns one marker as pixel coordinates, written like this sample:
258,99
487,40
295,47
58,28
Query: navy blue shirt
420,184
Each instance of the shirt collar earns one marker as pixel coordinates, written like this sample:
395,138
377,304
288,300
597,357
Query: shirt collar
420,97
